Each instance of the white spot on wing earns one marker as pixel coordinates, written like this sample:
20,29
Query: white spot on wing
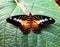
46,19
10,17
50,18
15,19
43,20
40,21
20,20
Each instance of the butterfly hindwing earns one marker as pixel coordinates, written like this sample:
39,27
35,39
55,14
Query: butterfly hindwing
16,20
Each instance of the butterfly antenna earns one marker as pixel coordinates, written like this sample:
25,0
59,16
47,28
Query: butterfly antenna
22,6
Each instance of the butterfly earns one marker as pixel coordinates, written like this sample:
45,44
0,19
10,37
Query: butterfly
27,23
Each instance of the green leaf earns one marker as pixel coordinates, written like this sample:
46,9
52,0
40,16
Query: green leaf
10,36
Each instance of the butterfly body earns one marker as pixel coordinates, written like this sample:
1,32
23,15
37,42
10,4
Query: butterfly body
30,22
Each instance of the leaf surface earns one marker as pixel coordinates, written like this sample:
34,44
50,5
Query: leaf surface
10,36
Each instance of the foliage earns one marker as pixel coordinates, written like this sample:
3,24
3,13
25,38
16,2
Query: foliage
10,36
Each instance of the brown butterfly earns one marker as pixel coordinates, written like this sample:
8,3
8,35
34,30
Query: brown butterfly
26,23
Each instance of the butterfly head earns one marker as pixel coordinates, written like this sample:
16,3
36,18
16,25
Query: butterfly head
30,14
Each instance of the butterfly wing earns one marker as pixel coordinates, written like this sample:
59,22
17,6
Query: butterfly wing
42,22
45,20
16,20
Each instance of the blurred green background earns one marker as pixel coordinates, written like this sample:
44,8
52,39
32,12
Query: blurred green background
10,36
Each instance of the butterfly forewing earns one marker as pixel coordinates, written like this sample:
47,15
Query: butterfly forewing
45,20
